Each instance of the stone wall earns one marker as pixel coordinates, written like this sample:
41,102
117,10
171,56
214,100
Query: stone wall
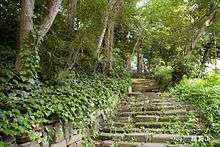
54,135
59,134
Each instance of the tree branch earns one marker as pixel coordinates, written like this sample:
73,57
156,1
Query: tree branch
205,25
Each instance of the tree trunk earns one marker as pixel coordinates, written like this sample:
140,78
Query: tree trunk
49,19
105,24
206,54
139,62
71,26
72,14
128,62
27,61
107,35
26,22
108,49
26,26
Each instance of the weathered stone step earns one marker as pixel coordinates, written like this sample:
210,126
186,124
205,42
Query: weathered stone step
139,103
121,130
152,118
146,101
153,125
156,118
145,130
136,81
157,124
123,119
134,144
141,88
147,137
169,112
124,108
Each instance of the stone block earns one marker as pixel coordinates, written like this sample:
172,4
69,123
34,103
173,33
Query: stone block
68,130
55,132
154,145
44,141
60,144
129,144
72,145
29,144
166,137
137,137
11,142
106,143
58,132
74,139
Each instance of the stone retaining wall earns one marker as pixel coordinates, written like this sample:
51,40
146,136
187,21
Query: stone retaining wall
58,134
53,135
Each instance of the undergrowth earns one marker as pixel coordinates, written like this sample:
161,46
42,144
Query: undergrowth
205,95
28,103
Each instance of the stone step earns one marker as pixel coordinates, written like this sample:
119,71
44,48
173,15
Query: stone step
147,100
123,119
124,108
110,143
157,124
147,137
159,113
156,118
154,125
152,118
166,103
142,80
145,130
141,88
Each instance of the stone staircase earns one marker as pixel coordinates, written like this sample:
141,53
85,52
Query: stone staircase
147,118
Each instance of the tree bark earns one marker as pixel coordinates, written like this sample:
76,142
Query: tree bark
72,14
49,19
26,21
108,49
105,24
107,35
128,62
205,58
139,62
26,26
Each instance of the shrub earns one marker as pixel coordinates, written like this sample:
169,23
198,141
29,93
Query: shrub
205,94
163,74
185,65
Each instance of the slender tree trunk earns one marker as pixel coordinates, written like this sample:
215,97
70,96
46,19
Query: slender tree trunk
107,35
128,62
72,14
71,25
49,19
105,24
108,49
139,62
206,54
26,22
26,26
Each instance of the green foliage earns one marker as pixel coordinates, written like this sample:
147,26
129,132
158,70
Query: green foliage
188,65
163,74
73,97
205,94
